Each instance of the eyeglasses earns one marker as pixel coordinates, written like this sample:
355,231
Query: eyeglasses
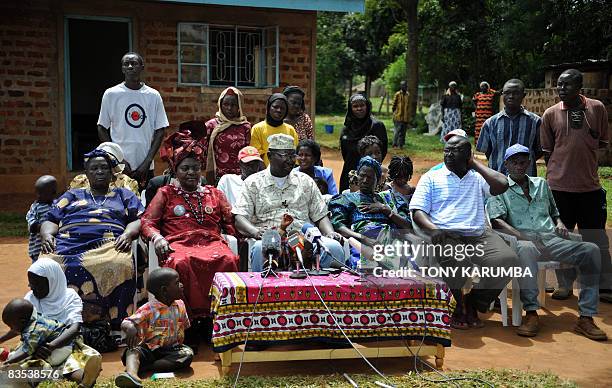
515,93
284,155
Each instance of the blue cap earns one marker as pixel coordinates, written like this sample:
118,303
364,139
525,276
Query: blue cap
515,149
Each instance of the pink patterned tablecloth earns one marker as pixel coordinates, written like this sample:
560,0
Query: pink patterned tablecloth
289,310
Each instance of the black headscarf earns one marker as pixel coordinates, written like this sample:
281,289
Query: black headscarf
295,89
354,128
271,99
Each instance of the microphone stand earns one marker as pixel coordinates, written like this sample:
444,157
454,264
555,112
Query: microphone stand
269,270
297,274
318,271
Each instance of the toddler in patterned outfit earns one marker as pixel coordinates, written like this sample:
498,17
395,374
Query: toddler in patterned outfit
155,333
46,191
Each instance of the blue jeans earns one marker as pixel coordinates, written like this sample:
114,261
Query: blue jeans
584,256
332,245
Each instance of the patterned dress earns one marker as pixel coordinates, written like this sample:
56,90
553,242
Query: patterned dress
303,127
345,212
484,110
194,233
227,145
451,105
85,247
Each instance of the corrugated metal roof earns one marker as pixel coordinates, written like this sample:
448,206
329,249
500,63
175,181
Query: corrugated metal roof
303,5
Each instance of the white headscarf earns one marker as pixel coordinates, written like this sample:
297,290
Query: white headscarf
61,303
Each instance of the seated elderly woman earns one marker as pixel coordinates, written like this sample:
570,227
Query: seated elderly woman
185,223
89,232
372,218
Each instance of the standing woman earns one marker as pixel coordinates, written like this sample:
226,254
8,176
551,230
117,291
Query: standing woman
276,111
296,116
358,123
227,133
451,110
484,107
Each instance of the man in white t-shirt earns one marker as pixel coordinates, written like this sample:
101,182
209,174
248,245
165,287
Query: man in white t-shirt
250,162
133,116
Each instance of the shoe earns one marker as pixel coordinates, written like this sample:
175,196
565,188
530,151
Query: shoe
605,296
562,294
529,326
126,380
587,328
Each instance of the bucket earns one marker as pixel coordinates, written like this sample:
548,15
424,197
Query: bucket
329,128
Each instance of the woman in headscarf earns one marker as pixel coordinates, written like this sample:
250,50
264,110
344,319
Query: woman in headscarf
51,296
358,123
119,180
90,233
276,111
370,217
296,116
451,110
227,133
185,223
484,106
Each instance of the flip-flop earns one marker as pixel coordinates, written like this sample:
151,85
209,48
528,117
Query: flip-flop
126,380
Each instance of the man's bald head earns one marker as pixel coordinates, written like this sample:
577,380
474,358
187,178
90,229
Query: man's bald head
46,188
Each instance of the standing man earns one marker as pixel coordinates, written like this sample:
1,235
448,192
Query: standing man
572,132
400,115
133,116
513,125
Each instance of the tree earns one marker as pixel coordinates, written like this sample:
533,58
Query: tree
410,8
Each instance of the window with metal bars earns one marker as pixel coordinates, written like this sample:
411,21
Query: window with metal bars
213,55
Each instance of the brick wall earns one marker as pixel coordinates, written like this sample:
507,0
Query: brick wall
183,103
31,76
29,128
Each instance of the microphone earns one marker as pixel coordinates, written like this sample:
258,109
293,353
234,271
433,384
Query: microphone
270,250
296,243
313,235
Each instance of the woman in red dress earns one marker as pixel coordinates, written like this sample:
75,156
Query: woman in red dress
227,133
185,223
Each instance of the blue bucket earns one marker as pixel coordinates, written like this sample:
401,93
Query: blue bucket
329,128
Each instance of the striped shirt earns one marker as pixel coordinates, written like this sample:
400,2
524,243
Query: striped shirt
36,215
500,131
453,203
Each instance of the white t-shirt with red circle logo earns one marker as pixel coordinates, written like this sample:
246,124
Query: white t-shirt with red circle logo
132,116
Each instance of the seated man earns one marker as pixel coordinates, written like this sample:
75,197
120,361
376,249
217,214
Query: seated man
278,190
250,162
528,212
448,205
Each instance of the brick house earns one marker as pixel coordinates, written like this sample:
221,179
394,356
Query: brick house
58,57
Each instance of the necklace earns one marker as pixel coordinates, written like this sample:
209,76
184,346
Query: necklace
96,202
197,214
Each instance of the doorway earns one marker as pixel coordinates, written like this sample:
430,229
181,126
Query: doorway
93,50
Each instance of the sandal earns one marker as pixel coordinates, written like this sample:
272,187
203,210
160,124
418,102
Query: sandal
127,380
459,323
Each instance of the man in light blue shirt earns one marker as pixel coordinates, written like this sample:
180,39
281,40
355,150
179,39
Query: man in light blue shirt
528,212
448,205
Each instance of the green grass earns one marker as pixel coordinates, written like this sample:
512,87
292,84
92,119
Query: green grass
499,378
418,146
13,225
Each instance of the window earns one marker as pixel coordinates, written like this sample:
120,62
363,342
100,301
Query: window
212,55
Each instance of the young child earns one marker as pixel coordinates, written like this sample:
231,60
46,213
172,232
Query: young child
370,146
37,334
155,333
400,173
353,182
46,191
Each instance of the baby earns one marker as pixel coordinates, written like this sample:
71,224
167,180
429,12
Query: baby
37,332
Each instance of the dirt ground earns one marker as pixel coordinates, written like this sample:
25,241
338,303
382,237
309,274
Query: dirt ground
556,349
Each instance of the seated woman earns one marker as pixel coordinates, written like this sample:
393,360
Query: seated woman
185,223
372,218
308,157
400,173
190,130
119,180
52,297
90,232
226,134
